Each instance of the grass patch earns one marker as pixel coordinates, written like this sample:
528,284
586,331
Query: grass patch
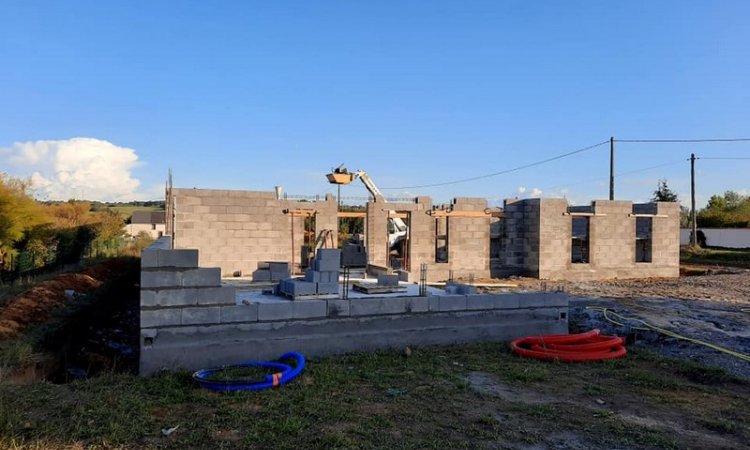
243,373
348,401
387,400
721,424
716,256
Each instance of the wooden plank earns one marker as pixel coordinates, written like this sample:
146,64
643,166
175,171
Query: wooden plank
448,213
300,212
344,214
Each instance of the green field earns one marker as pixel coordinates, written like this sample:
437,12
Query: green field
476,396
716,256
127,211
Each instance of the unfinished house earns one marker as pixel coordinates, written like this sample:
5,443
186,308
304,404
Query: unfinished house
236,230
548,239
450,240
542,238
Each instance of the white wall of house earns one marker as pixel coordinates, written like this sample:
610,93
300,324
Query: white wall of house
721,237
155,230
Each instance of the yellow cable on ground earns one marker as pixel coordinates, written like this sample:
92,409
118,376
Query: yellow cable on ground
647,326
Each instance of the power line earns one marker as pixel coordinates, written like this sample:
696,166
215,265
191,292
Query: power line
669,141
719,157
630,172
502,172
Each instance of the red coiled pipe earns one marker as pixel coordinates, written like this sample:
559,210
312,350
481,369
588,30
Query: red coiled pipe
588,346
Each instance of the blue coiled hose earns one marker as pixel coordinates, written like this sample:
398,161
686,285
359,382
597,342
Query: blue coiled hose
285,374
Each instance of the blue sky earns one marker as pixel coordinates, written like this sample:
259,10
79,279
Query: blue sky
248,95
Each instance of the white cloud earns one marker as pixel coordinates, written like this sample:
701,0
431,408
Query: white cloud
521,189
79,167
536,192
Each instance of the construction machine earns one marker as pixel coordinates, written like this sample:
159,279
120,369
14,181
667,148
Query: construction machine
397,228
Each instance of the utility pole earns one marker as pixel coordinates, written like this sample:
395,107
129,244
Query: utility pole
694,231
611,168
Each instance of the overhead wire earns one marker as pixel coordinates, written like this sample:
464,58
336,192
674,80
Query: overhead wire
714,157
564,155
630,172
502,172
671,141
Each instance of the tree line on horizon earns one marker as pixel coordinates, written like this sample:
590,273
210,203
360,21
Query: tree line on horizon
36,234
729,210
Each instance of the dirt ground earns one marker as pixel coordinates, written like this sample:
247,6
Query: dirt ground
712,307
35,304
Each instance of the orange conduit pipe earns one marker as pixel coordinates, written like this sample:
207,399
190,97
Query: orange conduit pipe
588,346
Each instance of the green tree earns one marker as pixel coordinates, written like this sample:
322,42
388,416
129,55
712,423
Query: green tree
19,212
731,210
663,193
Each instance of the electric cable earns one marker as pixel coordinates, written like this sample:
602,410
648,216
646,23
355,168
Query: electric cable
502,172
606,312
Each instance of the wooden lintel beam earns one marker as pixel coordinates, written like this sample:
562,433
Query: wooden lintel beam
448,213
300,212
352,214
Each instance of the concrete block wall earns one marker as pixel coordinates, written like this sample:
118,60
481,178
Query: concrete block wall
468,238
546,224
234,230
175,291
227,334
521,236
421,231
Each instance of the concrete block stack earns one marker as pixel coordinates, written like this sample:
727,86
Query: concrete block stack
175,291
354,254
325,271
388,280
271,271
321,279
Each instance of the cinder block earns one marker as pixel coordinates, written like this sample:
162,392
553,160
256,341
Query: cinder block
160,317
474,302
377,306
387,280
160,279
279,275
204,276
149,258
307,309
313,276
543,299
169,297
299,287
450,303
338,308
201,315
275,311
239,313
507,301
326,265
327,288
329,277
328,254
182,258
274,266
262,275
224,295
417,304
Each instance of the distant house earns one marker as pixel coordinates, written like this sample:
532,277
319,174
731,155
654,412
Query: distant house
152,222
